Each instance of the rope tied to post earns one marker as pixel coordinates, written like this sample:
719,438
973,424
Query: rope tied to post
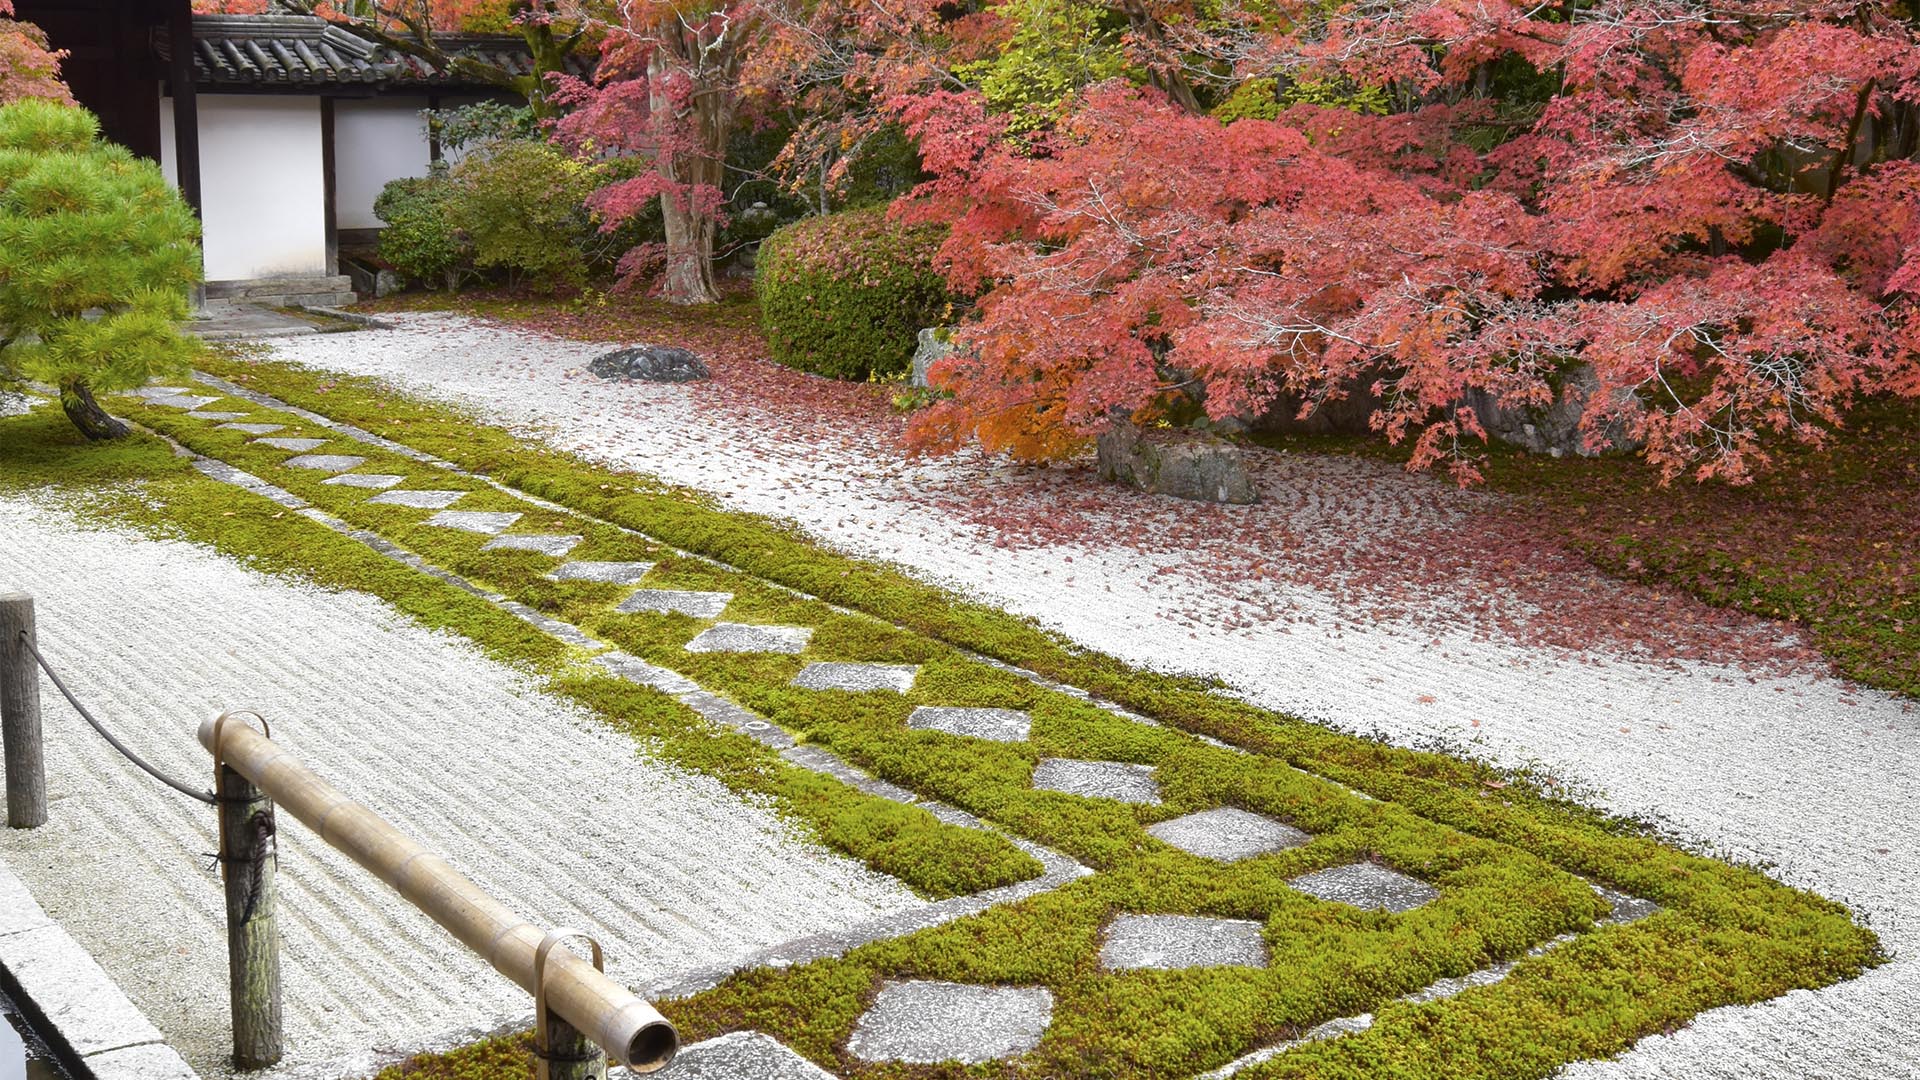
204,796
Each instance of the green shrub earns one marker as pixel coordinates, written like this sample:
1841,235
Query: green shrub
419,241
844,295
98,255
522,206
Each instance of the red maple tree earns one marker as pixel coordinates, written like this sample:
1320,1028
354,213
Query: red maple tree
1704,216
28,69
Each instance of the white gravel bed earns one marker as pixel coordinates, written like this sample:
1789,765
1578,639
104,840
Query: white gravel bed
566,821
1781,765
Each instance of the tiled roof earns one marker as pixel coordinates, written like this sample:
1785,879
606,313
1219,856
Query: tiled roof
274,51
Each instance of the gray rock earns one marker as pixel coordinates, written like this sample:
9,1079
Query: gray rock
743,637
325,462
198,414
1117,780
699,605
857,677
1181,941
555,546
375,481
615,573
1183,464
1552,429
484,522
999,725
1367,885
649,363
926,1022
935,346
1227,834
418,499
250,429
296,445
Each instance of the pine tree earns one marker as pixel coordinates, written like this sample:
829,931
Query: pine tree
98,255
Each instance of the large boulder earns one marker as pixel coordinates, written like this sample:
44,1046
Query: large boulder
649,363
1551,429
936,344
1182,463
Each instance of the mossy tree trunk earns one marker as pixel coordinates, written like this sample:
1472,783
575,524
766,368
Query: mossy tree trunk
76,398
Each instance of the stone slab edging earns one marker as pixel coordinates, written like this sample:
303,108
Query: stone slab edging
81,1004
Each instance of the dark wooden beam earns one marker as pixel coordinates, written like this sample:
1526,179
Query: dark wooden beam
330,185
186,105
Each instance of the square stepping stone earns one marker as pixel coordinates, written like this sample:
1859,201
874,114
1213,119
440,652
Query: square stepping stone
419,500
1624,907
741,637
614,573
1116,780
1000,725
376,481
555,546
250,429
158,391
1228,834
1165,942
926,1022
1367,885
744,1055
484,522
841,676
199,415
700,605
296,445
325,462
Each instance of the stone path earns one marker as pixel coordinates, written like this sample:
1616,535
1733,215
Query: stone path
1813,776
891,1030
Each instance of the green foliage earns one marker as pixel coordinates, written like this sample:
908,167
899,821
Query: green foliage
1258,99
419,240
522,208
846,294
85,228
480,123
1057,48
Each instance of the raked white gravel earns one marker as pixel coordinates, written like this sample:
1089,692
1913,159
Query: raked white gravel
569,823
1813,776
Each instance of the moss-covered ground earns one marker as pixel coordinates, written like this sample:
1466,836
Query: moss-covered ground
1508,860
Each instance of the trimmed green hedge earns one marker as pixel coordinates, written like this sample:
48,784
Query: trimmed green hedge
845,295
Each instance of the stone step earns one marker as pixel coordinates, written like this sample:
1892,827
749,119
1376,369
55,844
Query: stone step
292,285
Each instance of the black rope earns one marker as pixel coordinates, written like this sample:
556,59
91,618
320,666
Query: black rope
203,796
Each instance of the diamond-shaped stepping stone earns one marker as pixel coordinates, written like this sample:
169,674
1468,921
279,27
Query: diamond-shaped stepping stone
1228,834
1367,885
296,445
180,401
1181,941
325,462
741,637
199,415
841,676
744,1055
484,522
1624,907
377,481
419,500
1098,779
1000,725
158,391
924,1022
700,605
555,546
250,429
614,573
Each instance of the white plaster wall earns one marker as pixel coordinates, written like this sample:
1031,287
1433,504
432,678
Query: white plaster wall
374,140
262,185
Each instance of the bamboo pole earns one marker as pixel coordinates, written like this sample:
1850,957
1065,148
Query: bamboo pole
607,1013
247,858
20,715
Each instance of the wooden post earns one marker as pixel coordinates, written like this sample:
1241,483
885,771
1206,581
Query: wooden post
20,715
253,939
570,1055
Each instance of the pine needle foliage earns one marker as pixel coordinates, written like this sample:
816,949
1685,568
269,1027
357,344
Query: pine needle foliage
98,255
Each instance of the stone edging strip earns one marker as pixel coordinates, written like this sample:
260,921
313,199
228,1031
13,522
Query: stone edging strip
82,1006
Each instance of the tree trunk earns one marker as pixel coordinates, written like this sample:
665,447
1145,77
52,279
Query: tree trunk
76,398
694,170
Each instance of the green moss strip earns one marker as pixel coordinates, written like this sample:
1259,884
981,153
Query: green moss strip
1504,859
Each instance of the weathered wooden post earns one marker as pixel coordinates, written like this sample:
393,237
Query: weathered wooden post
247,863
20,715
564,1053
